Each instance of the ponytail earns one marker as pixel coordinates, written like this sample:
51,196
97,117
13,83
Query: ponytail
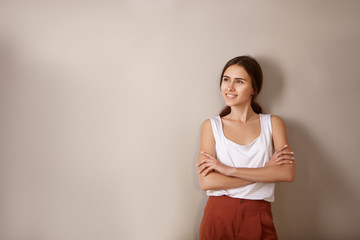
256,107
225,111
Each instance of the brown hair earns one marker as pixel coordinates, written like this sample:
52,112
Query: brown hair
253,68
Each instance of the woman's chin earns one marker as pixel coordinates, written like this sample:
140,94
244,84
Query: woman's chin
229,104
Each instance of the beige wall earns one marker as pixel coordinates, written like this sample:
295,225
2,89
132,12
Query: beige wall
101,105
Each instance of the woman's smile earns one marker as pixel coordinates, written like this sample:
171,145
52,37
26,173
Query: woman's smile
230,96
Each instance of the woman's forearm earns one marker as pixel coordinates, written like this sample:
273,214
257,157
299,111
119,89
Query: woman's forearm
270,174
218,181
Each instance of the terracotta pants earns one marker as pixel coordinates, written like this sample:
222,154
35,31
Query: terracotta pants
233,218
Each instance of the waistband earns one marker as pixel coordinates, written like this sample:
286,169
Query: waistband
248,202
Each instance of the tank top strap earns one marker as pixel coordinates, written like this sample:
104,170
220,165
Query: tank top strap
216,127
266,126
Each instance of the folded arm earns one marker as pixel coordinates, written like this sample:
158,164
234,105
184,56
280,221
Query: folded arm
218,181
280,168
280,173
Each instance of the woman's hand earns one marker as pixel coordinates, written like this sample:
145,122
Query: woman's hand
281,156
210,163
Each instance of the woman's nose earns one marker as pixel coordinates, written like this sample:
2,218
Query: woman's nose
231,86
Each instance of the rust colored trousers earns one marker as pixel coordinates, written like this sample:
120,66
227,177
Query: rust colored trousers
227,218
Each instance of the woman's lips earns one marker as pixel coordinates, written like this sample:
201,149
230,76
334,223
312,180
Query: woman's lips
231,96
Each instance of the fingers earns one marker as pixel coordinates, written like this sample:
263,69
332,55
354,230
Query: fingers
202,168
207,171
280,149
287,158
206,160
201,163
284,162
206,165
291,154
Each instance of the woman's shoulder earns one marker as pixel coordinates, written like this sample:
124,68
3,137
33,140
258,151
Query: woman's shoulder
208,123
277,122
208,120
275,118
207,129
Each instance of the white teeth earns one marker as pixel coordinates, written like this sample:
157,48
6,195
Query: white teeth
229,95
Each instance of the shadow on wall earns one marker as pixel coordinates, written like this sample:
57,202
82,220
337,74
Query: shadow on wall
320,201
273,83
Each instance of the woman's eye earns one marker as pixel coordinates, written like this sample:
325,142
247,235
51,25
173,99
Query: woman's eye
225,79
239,81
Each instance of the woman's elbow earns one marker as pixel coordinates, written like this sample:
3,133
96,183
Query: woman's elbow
204,187
288,173
203,184
290,177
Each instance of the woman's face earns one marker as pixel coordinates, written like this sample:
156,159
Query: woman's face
236,87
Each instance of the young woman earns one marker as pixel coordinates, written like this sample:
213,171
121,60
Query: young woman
237,165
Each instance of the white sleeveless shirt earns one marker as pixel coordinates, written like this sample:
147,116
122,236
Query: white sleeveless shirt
253,155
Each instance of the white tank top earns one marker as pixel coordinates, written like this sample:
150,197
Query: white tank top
253,155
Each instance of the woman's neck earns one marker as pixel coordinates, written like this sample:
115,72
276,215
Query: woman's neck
242,114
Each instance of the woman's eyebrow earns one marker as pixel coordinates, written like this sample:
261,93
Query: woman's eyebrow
235,78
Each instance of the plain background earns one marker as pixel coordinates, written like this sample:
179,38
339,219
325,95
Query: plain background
102,102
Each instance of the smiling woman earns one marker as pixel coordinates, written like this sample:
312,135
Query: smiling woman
237,165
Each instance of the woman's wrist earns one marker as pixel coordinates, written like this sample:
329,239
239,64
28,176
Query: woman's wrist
230,171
